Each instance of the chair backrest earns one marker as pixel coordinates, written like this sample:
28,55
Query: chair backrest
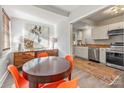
70,59
42,54
69,84
15,74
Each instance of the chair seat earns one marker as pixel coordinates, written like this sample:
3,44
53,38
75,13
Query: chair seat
69,84
63,84
19,80
23,83
54,84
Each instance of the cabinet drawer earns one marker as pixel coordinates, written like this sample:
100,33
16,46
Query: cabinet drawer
18,63
53,53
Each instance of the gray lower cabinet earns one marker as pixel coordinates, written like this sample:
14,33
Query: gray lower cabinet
102,55
81,52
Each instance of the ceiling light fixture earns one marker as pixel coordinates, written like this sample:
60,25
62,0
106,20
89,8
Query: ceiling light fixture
118,9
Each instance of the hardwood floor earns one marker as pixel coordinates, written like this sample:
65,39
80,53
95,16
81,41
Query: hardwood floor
100,71
86,80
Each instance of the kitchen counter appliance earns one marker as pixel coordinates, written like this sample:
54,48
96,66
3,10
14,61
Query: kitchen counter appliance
115,55
93,54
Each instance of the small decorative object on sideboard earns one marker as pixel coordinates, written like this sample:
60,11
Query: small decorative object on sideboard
20,43
54,40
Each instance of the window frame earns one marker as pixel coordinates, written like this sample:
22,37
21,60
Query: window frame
6,31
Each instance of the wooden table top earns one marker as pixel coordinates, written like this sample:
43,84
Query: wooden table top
46,70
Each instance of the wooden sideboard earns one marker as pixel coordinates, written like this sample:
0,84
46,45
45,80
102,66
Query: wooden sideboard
21,57
53,52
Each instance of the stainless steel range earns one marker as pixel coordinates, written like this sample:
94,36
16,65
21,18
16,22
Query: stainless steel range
115,55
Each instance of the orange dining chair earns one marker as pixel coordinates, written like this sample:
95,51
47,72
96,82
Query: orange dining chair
70,59
54,84
42,54
63,84
19,80
69,84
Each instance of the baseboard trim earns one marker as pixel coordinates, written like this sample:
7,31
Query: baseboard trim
3,78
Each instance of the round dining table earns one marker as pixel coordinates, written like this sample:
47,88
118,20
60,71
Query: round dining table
46,70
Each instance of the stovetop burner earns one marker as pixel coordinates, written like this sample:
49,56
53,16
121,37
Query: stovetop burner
118,44
117,47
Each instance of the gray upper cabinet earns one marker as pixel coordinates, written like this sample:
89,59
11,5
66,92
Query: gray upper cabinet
119,25
100,32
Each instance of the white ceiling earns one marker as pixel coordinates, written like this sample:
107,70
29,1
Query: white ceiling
63,10
68,8
100,15
79,25
33,13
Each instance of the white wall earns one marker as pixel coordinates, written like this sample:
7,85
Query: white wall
64,28
5,57
63,36
17,32
18,28
0,31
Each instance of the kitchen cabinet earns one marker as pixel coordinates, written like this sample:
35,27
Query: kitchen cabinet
81,52
102,55
119,25
78,35
100,32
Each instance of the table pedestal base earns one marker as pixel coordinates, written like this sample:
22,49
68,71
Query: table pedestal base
33,85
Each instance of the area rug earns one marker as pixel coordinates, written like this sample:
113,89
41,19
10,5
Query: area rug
102,72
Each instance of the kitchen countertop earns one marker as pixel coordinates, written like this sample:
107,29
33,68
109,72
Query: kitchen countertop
94,45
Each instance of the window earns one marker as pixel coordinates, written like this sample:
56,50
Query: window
6,31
